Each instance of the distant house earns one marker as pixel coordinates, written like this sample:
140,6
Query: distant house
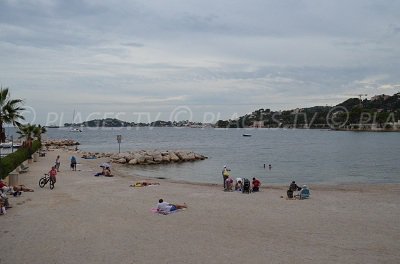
381,96
258,124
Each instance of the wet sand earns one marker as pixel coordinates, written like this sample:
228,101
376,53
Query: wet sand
102,220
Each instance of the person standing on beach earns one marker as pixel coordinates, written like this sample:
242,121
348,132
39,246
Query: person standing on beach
53,174
58,163
73,163
225,175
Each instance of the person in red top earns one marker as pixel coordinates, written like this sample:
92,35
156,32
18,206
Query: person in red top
5,188
53,173
256,185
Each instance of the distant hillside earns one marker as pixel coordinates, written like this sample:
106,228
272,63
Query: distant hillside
380,109
108,122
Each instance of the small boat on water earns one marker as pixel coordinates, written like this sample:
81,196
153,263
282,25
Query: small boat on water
75,130
9,145
74,127
247,135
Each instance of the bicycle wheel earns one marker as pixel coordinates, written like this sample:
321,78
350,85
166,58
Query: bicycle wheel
51,184
42,182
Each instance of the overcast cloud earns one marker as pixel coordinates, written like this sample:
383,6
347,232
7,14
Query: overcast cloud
223,57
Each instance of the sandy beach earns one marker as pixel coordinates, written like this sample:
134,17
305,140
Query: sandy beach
88,219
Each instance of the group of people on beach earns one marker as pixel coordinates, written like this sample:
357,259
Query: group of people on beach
294,190
72,164
241,184
56,167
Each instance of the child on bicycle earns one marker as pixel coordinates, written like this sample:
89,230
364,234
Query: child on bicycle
53,173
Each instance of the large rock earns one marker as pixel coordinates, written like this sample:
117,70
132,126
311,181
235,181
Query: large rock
173,157
199,157
166,158
157,157
121,161
183,155
190,157
148,159
133,162
123,155
139,157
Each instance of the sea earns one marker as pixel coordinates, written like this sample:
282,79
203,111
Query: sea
308,156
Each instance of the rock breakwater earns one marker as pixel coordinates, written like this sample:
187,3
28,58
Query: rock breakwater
60,143
147,157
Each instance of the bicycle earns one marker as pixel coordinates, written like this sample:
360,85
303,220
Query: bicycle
45,179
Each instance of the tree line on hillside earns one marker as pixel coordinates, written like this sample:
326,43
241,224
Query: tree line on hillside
381,110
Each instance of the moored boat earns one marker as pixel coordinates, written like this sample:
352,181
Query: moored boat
9,145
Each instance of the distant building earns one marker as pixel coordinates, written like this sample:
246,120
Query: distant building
258,124
381,96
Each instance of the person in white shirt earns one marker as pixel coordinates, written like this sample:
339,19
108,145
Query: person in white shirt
164,207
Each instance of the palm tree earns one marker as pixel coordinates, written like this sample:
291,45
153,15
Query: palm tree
10,111
38,131
28,132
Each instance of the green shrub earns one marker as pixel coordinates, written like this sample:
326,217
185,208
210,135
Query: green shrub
13,160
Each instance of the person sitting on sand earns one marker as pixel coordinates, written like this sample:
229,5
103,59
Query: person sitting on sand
53,174
4,202
5,188
293,187
166,208
228,184
304,192
2,205
256,185
107,172
238,185
101,173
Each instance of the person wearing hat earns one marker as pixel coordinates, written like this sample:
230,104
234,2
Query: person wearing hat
294,187
304,192
225,175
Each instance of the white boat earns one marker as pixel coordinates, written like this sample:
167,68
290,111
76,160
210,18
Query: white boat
9,145
74,128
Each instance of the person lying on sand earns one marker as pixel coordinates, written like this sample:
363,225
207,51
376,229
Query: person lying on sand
22,188
165,208
143,184
14,190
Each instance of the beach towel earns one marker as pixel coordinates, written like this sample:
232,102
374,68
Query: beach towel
154,210
143,184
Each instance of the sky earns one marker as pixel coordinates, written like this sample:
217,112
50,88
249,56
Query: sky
194,60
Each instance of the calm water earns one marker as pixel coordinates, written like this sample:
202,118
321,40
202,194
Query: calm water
307,156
